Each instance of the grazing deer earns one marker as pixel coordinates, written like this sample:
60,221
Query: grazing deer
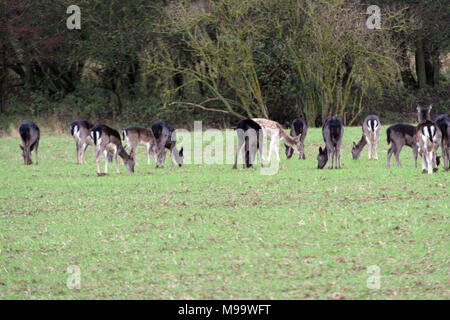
443,122
135,136
80,130
165,138
108,142
30,135
427,137
274,132
332,132
298,128
371,132
400,135
251,134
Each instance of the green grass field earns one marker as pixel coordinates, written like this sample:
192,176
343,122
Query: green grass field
210,232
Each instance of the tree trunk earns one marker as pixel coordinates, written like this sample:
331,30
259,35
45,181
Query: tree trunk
436,69
405,72
420,64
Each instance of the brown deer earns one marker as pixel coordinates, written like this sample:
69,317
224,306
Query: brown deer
443,122
30,135
80,130
371,132
427,137
135,136
108,142
274,132
400,135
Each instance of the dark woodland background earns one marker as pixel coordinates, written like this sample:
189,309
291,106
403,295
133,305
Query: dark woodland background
135,61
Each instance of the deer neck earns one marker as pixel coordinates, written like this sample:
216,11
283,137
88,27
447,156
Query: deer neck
360,145
122,153
288,140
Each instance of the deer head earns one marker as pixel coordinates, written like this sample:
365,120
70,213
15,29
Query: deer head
297,144
322,158
424,113
26,155
130,163
356,152
178,156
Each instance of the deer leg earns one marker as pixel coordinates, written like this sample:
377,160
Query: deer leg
339,157
105,152
389,154
239,146
431,162
270,150
244,158
415,154
433,155
276,146
149,153
116,160
424,163
260,153
77,147
83,151
397,155
98,154
375,150
171,157
37,147
162,158
369,148
330,155
445,155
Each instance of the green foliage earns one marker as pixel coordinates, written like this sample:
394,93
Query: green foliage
217,60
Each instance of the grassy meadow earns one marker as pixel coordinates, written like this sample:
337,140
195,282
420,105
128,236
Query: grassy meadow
210,232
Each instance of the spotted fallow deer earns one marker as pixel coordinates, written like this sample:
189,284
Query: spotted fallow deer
371,128
30,135
108,142
427,137
135,136
274,132
80,130
443,122
298,127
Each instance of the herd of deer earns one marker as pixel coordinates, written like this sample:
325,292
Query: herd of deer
424,139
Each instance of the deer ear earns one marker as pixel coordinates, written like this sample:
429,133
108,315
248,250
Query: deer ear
21,147
431,106
181,152
320,149
354,144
